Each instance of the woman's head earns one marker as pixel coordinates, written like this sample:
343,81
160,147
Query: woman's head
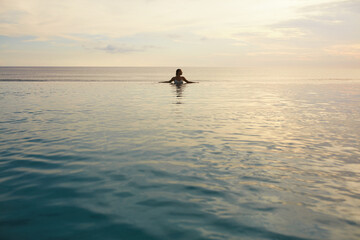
178,72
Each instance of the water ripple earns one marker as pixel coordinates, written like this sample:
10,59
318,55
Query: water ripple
234,161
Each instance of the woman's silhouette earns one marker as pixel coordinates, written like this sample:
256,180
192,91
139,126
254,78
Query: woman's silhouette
178,79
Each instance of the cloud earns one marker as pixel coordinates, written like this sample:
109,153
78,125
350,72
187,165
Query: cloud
113,18
115,49
295,30
337,7
269,33
119,18
115,46
351,50
317,31
334,21
122,49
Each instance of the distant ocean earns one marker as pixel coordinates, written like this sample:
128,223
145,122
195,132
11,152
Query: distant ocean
110,153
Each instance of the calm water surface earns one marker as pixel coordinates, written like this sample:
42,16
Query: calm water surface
108,153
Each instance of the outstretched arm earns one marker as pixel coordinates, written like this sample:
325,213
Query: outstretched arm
168,81
185,80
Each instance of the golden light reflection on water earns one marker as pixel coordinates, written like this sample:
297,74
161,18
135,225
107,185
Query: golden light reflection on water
282,156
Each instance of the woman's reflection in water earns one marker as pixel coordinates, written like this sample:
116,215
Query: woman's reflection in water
179,90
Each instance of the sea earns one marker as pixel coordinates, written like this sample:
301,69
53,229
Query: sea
244,153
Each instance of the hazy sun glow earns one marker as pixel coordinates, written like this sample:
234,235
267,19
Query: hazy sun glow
180,33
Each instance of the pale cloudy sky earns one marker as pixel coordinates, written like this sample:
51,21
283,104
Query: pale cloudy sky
322,33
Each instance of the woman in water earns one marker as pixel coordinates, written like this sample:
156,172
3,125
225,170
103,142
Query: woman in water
178,79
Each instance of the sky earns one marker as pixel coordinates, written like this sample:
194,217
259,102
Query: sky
234,33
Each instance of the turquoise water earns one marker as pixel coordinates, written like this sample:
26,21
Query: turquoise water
109,153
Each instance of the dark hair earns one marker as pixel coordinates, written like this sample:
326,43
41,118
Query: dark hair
178,71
